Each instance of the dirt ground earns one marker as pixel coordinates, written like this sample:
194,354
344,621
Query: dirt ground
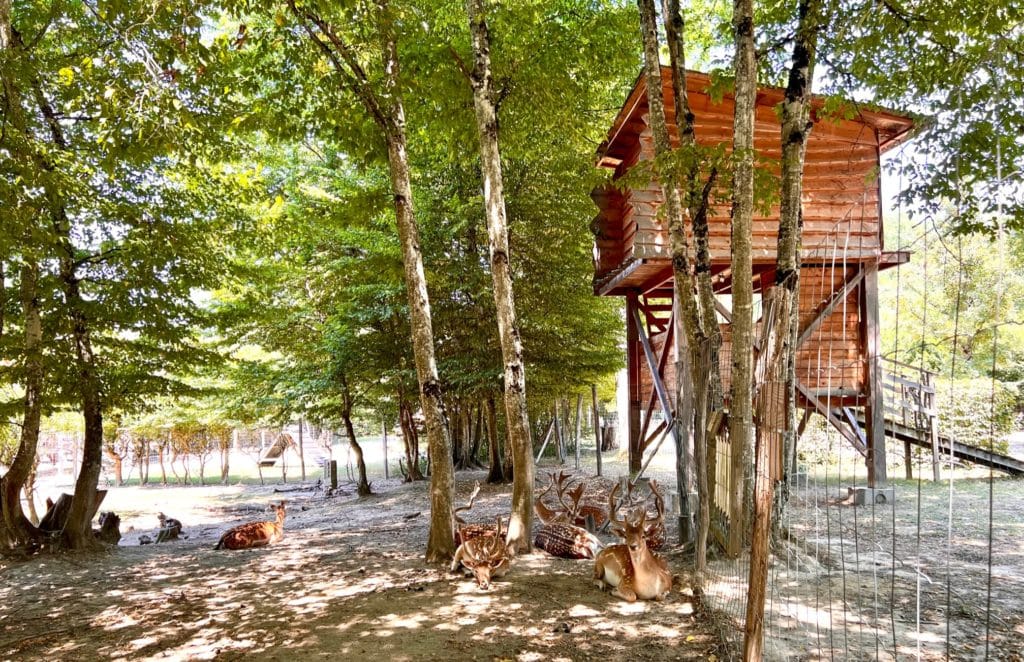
842,586
348,582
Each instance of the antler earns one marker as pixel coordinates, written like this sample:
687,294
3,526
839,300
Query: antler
659,501
575,494
613,508
468,506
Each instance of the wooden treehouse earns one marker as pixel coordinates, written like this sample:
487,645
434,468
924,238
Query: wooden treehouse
838,365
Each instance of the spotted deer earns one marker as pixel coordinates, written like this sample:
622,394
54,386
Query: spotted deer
486,556
631,569
654,531
545,513
465,531
170,528
255,534
557,535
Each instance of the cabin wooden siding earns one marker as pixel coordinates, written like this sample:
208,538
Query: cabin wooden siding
832,357
841,188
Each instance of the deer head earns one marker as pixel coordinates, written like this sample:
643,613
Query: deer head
544,513
487,557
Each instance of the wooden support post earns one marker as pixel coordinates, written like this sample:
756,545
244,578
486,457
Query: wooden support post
547,438
875,410
633,372
908,460
597,426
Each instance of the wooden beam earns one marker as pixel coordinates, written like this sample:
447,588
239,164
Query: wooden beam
633,372
875,411
831,418
836,299
603,287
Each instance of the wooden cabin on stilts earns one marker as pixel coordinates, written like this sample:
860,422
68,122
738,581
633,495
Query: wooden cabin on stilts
838,365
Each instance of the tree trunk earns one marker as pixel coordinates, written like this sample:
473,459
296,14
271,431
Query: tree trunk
18,528
362,485
302,452
683,290
521,518
796,127
30,492
161,449
409,439
740,411
388,111
495,475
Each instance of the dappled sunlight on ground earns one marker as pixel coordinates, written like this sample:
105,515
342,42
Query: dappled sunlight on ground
347,582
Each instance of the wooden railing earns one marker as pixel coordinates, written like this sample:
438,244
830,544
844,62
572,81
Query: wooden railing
909,395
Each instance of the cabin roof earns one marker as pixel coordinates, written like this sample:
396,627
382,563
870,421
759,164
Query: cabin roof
892,128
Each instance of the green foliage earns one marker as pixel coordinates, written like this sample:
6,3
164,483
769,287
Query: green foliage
976,411
943,309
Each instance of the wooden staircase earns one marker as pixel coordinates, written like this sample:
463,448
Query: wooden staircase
911,417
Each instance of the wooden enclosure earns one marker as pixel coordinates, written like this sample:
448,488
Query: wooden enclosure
842,252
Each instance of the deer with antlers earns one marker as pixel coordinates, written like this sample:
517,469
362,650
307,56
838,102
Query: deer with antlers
465,531
255,534
655,524
558,535
486,556
631,569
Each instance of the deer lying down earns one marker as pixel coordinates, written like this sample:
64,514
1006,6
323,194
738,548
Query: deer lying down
255,534
170,528
632,570
486,556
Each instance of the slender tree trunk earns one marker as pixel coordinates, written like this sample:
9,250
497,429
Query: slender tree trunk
683,290
388,111
779,344
796,128
740,410
18,528
362,484
302,451
161,449
495,475
441,539
409,438
521,518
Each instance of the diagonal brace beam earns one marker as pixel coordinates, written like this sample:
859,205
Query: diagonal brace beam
836,299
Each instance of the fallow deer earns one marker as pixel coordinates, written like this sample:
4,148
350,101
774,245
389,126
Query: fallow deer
631,569
464,531
255,534
546,514
567,541
486,556
655,533
583,511
170,528
655,530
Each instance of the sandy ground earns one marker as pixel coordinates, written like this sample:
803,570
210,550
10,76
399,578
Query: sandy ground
348,581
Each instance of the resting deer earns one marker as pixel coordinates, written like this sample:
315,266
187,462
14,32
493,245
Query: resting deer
632,570
170,528
557,536
464,531
255,534
548,515
655,529
486,556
